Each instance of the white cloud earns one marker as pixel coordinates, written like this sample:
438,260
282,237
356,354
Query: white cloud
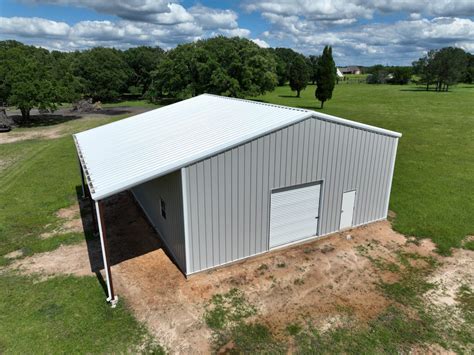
399,42
235,32
325,10
33,27
427,7
155,22
260,42
305,25
312,9
120,34
164,12
210,18
134,10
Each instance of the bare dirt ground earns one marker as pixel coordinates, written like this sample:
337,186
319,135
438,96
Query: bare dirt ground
313,280
456,270
50,125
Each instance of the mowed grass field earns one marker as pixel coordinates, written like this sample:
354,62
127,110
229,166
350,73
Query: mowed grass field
432,197
433,186
61,314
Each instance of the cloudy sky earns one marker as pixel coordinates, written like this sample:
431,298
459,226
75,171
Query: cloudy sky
361,31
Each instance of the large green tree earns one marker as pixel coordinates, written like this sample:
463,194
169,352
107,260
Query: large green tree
326,76
450,64
468,76
142,61
284,58
226,66
299,75
443,67
33,77
104,73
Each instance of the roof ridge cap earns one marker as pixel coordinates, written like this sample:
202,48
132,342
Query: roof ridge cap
260,103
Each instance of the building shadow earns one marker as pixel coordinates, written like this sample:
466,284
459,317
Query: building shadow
63,115
128,233
113,111
42,120
312,108
421,90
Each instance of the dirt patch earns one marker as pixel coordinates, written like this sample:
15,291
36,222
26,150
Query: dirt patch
52,126
71,222
456,270
43,133
432,349
330,280
314,280
14,254
66,260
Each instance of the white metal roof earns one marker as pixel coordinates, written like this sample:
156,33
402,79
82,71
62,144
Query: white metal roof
126,153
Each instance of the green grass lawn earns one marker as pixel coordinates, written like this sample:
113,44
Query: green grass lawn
61,314
432,192
40,177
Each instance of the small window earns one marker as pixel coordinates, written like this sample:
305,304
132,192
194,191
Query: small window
163,208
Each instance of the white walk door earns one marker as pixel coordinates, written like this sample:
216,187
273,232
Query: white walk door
347,210
294,214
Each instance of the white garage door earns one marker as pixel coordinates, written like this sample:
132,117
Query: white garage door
294,214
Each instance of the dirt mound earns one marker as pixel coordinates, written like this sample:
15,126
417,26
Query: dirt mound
4,119
86,105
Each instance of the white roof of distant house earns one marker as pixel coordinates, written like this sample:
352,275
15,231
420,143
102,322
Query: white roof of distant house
126,153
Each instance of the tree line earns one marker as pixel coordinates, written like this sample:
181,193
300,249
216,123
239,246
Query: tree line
439,67
35,77
32,77
445,67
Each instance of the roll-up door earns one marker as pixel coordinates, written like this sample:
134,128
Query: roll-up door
294,214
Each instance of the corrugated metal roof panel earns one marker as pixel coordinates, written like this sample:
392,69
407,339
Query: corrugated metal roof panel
125,153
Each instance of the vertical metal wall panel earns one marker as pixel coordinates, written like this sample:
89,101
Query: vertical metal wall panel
342,158
171,228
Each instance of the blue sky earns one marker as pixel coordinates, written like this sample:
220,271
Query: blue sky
361,32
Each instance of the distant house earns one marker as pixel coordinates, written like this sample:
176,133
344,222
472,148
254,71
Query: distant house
350,70
339,74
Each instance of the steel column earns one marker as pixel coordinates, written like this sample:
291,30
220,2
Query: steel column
112,298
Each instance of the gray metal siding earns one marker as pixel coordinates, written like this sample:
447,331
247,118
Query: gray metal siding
229,194
170,229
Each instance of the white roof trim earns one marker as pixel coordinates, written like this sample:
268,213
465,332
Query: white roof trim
126,153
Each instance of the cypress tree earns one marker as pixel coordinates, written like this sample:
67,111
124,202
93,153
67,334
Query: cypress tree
325,76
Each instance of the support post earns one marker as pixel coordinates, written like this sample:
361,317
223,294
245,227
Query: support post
112,298
83,183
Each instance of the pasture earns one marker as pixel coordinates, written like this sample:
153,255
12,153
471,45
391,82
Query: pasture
431,198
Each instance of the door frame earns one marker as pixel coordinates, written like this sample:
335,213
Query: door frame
353,209
292,187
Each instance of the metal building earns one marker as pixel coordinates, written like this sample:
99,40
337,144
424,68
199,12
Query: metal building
223,179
